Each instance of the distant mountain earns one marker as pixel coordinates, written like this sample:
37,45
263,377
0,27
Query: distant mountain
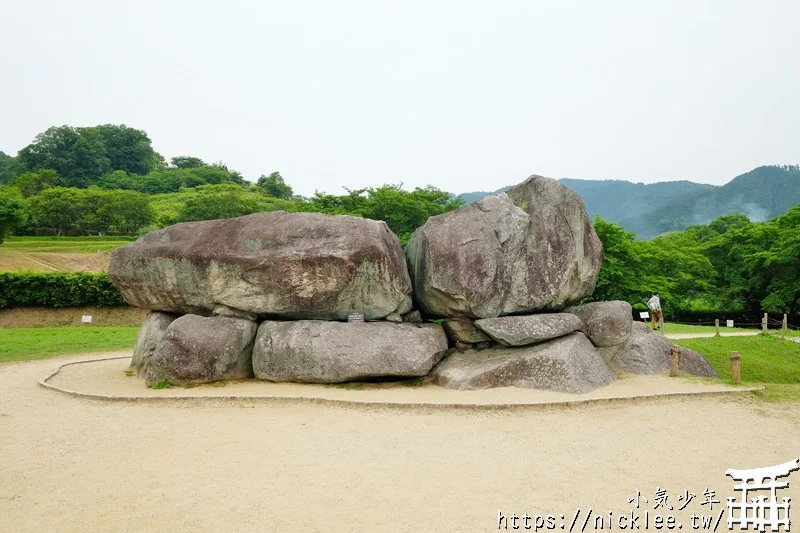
761,194
470,197
652,209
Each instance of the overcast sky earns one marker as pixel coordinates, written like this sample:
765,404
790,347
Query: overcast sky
463,95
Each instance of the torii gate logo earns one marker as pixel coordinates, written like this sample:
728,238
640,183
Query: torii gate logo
760,512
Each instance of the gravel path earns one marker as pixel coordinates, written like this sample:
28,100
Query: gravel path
68,464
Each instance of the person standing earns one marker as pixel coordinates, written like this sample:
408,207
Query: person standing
654,304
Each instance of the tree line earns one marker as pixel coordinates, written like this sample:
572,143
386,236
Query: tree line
108,180
731,264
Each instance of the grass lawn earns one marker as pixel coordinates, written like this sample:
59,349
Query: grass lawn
63,245
765,360
27,344
683,328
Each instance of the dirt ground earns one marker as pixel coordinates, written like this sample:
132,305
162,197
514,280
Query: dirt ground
54,262
69,464
37,317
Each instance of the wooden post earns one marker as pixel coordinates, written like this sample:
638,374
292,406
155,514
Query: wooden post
716,326
736,368
764,323
675,361
785,323
661,323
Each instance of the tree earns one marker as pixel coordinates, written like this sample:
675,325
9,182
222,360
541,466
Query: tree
123,212
4,161
726,223
274,185
12,211
620,273
185,161
405,211
126,149
60,209
30,183
81,156
76,158
775,271
218,202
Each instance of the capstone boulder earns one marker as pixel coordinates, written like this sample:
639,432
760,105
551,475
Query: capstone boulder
531,249
288,265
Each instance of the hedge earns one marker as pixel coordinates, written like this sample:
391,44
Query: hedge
57,289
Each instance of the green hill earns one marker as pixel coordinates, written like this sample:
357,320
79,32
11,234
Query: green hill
761,194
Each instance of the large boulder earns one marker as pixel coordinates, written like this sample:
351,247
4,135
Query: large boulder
531,249
605,323
567,364
150,334
332,352
198,349
529,329
646,352
291,265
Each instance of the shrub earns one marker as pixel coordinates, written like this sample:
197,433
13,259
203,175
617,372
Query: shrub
57,289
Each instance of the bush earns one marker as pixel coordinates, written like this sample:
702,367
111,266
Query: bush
57,289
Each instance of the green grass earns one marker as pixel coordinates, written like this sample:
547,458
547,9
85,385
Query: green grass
75,245
27,344
163,384
765,360
683,328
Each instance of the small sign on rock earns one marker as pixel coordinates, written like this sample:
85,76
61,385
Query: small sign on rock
86,319
355,317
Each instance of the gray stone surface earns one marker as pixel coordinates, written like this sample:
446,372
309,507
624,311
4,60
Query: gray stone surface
605,323
647,352
198,349
150,334
330,352
529,329
567,364
413,316
227,312
291,265
462,329
531,249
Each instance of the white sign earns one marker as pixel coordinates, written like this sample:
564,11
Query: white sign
86,319
355,317
644,314
729,323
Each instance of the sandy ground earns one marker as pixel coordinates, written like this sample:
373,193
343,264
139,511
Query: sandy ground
99,377
70,464
54,262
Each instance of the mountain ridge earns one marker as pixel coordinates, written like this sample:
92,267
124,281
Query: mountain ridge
649,210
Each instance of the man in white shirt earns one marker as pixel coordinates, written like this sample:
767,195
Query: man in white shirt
654,304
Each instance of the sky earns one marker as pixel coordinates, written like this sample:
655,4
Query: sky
462,95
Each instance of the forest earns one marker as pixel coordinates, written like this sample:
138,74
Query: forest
108,180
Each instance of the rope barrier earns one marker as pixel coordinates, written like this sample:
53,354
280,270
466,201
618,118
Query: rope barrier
722,324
